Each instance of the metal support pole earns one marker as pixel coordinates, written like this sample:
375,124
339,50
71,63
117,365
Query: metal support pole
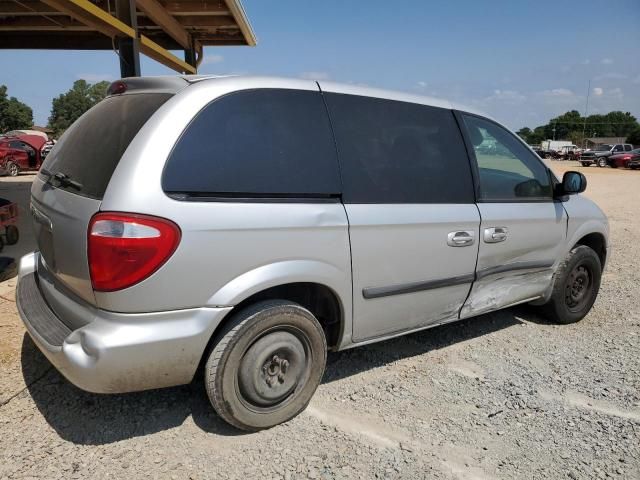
190,57
129,48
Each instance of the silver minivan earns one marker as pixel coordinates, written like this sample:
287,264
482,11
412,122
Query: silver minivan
249,225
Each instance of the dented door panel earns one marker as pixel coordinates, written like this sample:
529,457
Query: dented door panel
520,267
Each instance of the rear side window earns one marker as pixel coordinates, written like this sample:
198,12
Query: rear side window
398,152
91,148
257,143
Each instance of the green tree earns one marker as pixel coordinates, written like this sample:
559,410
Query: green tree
634,137
14,114
564,124
524,133
597,125
621,123
69,106
537,136
572,126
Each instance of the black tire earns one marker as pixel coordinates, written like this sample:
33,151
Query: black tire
13,234
576,286
12,169
613,165
1,244
585,164
266,365
602,162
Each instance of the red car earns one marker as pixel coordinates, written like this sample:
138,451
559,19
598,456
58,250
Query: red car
622,160
22,152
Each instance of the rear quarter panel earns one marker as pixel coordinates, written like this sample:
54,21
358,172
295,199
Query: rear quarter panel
228,250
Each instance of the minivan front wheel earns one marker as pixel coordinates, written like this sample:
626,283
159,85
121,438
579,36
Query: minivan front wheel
576,286
266,365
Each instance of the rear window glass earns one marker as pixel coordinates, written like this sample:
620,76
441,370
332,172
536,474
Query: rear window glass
91,148
399,152
258,143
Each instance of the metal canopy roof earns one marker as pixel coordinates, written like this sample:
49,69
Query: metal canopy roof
97,25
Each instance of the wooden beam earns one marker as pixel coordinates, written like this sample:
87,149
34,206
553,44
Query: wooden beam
200,7
235,7
193,21
159,54
86,12
62,40
26,8
93,16
41,24
170,25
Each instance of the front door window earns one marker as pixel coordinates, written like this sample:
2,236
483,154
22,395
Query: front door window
509,172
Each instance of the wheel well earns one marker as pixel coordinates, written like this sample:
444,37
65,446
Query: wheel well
318,299
597,243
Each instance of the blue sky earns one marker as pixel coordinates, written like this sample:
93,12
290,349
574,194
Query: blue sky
520,61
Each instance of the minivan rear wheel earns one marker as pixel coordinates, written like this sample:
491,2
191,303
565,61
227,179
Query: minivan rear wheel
266,365
576,286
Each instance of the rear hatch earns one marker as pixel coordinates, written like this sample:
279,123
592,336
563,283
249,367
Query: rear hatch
73,179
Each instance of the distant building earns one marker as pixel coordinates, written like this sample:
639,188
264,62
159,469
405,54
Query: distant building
46,130
595,141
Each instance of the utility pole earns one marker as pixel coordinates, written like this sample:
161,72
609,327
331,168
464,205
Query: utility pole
586,112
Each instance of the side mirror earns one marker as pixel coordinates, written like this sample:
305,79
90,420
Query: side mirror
573,182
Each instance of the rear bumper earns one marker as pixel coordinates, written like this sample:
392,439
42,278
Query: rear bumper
116,352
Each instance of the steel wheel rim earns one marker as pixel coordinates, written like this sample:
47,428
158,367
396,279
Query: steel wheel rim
13,169
268,379
578,288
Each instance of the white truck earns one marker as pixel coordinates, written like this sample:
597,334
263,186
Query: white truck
555,145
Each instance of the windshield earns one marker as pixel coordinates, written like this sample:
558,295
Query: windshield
602,148
89,151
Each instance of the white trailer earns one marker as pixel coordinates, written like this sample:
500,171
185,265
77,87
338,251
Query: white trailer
555,145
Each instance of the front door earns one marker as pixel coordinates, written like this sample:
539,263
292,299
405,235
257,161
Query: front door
522,228
413,224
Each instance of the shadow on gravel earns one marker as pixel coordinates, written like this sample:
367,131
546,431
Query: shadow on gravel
351,362
92,419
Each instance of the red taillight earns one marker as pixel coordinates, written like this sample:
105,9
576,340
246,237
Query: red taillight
125,248
627,157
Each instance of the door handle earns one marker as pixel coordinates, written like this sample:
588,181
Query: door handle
462,238
495,234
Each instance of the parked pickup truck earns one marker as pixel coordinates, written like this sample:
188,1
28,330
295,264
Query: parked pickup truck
569,152
601,153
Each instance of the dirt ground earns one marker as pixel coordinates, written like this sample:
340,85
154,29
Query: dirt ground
505,395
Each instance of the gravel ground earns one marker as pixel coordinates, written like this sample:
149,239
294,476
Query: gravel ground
505,395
